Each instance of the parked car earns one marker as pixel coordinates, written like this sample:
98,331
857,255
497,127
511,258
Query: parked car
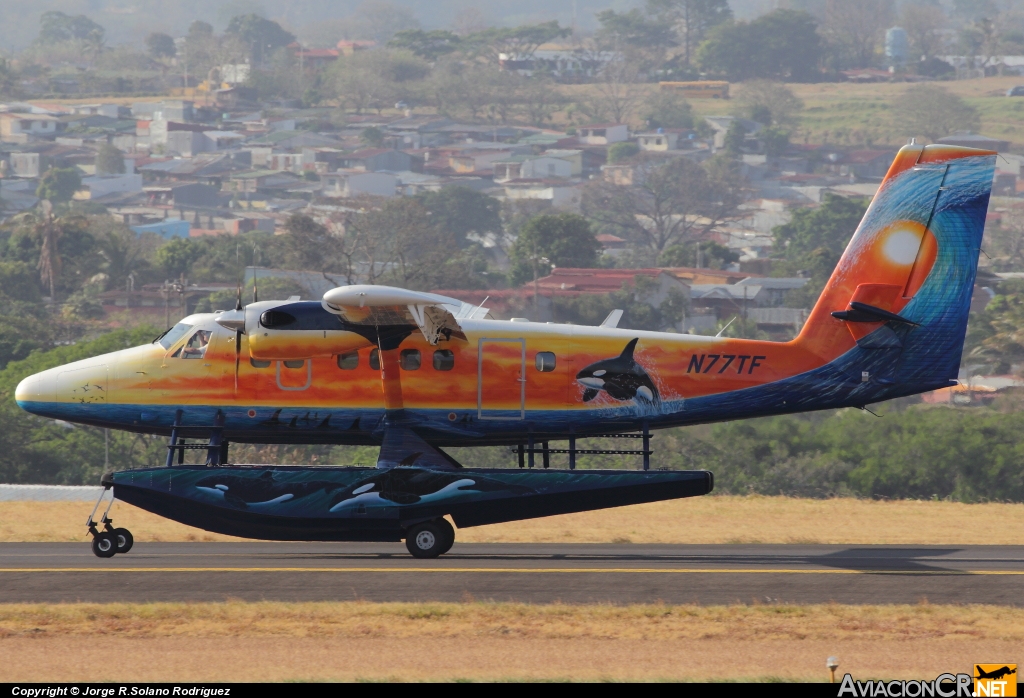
1016,91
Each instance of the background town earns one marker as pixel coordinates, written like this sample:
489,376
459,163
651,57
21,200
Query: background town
696,163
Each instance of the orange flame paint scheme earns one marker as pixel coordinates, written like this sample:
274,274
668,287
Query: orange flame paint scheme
890,322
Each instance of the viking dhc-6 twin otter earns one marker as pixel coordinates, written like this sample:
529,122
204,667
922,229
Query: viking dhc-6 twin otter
415,373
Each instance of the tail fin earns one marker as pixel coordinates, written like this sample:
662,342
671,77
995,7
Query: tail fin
910,266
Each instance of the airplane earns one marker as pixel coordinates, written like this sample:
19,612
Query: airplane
414,373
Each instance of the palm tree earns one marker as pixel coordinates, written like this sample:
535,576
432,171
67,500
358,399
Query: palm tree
49,231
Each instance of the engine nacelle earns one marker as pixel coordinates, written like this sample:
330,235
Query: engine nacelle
292,330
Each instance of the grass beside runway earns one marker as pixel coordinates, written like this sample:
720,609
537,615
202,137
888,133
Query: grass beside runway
484,641
712,520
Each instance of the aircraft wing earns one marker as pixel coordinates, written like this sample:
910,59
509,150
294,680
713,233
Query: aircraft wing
386,305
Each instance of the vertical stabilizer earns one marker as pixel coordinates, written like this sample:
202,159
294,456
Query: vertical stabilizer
911,264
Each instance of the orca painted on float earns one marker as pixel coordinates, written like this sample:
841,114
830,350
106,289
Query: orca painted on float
402,485
243,492
622,378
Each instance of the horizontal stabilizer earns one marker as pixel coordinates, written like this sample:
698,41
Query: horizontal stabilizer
862,312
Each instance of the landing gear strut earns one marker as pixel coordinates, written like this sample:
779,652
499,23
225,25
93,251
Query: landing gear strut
110,540
430,539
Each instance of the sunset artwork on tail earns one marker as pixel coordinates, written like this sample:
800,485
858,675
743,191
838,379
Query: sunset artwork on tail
414,373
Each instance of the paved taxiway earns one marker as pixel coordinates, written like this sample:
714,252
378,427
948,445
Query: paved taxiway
538,573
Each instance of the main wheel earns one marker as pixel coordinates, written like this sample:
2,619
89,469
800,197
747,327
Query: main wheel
449,535
104,544
124,540
427,539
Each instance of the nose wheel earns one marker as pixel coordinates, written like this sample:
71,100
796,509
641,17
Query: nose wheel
110,541
430,539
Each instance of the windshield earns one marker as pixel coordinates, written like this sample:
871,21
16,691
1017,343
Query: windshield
168,338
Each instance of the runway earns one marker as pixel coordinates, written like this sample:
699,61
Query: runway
534,573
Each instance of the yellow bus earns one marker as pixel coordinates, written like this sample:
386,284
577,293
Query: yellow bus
702,89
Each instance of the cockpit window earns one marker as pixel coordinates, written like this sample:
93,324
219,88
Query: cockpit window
196,347
171,336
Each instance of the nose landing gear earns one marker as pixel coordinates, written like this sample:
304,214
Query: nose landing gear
110,541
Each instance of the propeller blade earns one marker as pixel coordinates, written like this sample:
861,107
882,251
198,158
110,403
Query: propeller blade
238,352
238,298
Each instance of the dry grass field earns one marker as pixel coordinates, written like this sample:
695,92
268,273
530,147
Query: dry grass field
713,519
474,641
858,114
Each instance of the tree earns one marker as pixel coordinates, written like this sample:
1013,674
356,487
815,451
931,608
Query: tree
735,137
775,140
379,20
463,212
706,255
616,91
262,35
517,43
856,28
177,257
995,336
49,232
667,109
429,45
691,18
376,79
395,241
634,31
933,112
617,152
371,136
109,160
769,103
564,239
57,27
924,24
781,45
160,46
59,184
813,241
669,203
311,245
8,79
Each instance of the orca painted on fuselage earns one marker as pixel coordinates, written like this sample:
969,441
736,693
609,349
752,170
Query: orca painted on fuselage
404,485
622,378
243,492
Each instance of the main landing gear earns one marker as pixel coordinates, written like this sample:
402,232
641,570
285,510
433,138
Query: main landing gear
110,541
430,539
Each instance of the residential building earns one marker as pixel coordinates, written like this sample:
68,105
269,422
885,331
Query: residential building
572,281
531,166
658,141
563,194
350,183
602,134
23,127
99,186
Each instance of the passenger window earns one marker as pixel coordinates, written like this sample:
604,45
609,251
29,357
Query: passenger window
348,362
196,347
256,363
294,363
444,360
545,361
375,359
411,359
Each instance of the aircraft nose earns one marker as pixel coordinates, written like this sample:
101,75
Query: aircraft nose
36,389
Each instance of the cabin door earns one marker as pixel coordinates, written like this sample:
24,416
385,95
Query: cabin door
501,379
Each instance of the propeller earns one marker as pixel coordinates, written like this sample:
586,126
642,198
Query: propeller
238,332
234,320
